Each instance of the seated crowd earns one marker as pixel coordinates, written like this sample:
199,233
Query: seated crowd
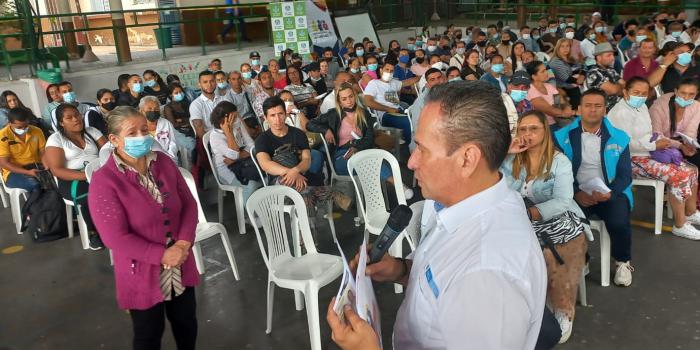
589,110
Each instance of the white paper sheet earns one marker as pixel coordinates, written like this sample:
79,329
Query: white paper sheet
595,184
688,140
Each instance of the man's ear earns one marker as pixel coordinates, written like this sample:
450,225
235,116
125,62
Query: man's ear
469,157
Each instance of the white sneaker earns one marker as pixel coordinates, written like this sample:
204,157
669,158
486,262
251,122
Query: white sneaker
565,324
694,219
687,231
623,274
408,193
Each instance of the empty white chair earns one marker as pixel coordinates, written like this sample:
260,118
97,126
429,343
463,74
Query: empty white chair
15,208
303,273
206,230
367,165
223,188
599,225
658,200
334,174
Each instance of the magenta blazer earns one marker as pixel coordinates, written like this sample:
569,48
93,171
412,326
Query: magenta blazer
133,226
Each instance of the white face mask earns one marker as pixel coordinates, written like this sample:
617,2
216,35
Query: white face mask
461,50
20,132
386,76
526,36
569,35
288,104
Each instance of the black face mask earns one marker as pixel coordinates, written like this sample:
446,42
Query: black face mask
152,116
109,105
481,43
505,42
349,110
420,60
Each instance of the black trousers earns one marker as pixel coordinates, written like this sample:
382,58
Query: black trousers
149,324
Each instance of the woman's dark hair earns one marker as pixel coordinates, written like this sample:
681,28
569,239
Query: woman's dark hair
635,80
301,77
3,99
102,92
19,114
513,59
532,67
219,113
272,102
359,45
172,78
48,95
60,111
687,81
175,85
159,80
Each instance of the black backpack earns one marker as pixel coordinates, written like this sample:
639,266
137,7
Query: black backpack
44,212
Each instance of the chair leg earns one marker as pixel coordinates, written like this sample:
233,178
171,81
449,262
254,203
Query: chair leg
240,211
270,304
3,196
331,223
582,298
111,258
197,250
83,230
658,207
69,220
669,211
296,241
311,298
604,256
16,211
229,253
220,199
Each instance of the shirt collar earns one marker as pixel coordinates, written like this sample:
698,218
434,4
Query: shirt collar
451,218
122,166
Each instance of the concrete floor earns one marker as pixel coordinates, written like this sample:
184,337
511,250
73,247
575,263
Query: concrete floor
58,296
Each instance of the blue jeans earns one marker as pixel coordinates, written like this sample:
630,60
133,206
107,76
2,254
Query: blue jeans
22,181
399,121
341,165
316,166
234,21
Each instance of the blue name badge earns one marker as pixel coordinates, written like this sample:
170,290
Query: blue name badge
431,281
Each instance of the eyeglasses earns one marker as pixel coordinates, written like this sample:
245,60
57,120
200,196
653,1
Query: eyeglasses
529,129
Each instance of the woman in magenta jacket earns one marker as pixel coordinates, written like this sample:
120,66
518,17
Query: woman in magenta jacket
147,216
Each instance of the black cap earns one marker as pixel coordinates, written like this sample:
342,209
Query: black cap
313,66
254,54
520,78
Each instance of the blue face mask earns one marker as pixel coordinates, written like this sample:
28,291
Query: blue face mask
683,103
676,34
411,47
591,37
360,53
247,75
150,83
137,147
535,36
684,59
518,95
255,62
179,97
137,88
372,66
69,97
497,68
222,85
419,43
640,38
636,101
404,59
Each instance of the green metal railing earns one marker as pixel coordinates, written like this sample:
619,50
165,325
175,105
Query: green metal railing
33,35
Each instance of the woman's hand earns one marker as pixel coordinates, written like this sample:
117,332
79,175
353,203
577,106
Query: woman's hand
330,139
688,150
174,256
518,145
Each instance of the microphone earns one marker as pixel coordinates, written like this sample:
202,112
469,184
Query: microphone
398,220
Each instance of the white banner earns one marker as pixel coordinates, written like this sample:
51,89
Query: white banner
320,25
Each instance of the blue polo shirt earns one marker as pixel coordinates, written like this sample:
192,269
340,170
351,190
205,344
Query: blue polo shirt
403,73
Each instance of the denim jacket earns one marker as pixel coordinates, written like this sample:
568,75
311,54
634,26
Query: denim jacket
552,196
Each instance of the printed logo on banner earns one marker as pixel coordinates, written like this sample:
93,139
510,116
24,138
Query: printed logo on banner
300,8
301,21
290,36
278,37
287,9
277,24
289,23
293,46
276,10
279,48
304,48
302,35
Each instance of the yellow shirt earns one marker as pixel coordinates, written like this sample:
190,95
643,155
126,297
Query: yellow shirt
21,152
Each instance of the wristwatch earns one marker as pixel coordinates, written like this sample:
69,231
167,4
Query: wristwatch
663,66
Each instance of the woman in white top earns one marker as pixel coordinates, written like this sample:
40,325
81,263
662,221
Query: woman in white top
67,152
631,115
230,144
161,129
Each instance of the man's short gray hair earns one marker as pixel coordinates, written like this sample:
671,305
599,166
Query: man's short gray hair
147,99
473,111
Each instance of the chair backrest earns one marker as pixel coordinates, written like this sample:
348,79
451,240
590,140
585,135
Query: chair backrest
193,189
263,177
207,150
410,121
91,167
413,233
367,165
327,150
268,204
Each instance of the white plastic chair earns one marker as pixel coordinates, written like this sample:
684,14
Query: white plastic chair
221,191
413,233
303,273
15,207
3,196
658,200
367,165
184,157
82,227
599,225
206,230
334,174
